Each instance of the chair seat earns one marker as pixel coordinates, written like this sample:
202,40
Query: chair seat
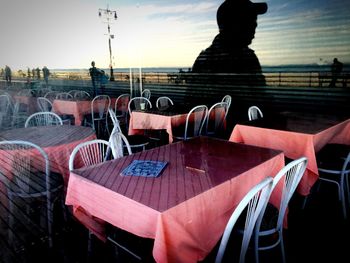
137,140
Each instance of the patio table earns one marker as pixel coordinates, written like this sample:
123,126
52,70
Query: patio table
77,108
57,141
297,135
186,208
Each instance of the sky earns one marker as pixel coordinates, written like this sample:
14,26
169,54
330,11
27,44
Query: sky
156,33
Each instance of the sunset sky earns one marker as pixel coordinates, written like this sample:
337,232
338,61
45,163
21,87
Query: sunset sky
157,33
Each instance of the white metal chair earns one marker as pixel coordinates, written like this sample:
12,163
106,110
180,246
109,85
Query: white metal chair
136,104
254,202
44,104
164,102
118,143
6,109
228,100
64,96
135,141
121,108
29,179
195,121
215,123
254,113
51,95
81,94
99,114
73,91
290,175
88,153
334,168
43,119
146,93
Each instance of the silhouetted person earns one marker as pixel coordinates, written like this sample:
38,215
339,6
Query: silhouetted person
46,74
38,73
336,69
8,75
95,75
229,52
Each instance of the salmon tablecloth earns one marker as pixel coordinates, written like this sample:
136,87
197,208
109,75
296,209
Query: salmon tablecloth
140,121
77,108
184,210
57,141
296,135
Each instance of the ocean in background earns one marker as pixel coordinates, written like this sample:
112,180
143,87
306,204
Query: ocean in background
281,68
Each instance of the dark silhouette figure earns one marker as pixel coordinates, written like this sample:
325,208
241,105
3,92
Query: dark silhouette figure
8,75
336,69
46,74
95,75
38,73
229,52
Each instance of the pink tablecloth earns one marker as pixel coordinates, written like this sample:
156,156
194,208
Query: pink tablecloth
183,210
295,142
57,141
140,121
77,108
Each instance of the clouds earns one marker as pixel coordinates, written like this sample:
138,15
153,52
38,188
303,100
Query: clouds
69,33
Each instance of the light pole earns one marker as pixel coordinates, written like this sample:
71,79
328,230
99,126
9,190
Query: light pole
109,15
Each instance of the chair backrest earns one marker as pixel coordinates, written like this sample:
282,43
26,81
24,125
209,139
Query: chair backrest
227,99
216,118
5,104
43,119
254,113
146,93
163,102
100,104
290,175
44,104
88,153
64,96
51,95
195,121
121,104
81,94
118,142
255,200
73,91
135,104
28,161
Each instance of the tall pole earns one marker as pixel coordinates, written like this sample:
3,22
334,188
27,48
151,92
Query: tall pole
109,15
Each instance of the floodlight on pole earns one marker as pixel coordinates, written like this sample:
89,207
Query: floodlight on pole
109,15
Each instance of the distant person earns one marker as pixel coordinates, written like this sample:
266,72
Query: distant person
336,69
28,73
229,52
33,73
38,73
8,75
46,74
95,75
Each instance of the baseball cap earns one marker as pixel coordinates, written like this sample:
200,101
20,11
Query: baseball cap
230,9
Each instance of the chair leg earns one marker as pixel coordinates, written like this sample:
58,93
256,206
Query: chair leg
282,246
49,220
